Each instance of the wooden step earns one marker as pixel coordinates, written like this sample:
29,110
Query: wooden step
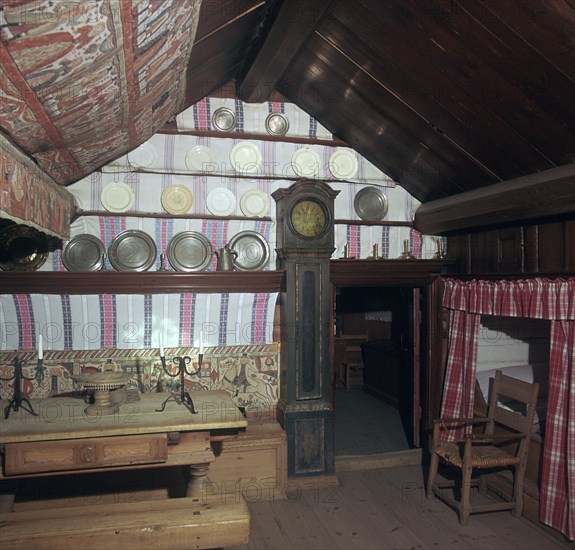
171,524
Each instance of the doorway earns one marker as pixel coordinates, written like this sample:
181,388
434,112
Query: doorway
376,369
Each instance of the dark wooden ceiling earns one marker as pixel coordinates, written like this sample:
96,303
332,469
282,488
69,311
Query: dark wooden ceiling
445,96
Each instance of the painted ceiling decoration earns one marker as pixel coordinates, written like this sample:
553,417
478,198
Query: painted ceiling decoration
84,82
29,196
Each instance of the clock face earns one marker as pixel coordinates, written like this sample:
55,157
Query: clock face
308,218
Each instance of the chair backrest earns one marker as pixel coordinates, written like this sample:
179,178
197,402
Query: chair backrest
510,393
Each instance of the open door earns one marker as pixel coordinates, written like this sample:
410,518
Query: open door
410,345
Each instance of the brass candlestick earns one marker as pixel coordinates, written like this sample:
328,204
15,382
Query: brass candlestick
406,255
19,400
184,397
439,255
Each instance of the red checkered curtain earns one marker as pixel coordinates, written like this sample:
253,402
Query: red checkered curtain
557,495
552,299
459,385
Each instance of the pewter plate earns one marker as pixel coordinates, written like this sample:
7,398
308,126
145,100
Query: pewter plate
83,253
132,250
277,124
224,119
189,251
252,249
370,204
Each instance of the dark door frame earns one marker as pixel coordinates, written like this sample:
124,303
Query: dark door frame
423,274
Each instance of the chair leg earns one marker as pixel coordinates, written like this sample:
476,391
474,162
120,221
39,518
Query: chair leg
465,504
518,490
432,478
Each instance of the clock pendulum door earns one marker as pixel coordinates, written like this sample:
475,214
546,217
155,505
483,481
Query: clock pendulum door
305,242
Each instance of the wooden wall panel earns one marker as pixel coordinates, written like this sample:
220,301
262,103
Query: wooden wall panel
544,248
551,248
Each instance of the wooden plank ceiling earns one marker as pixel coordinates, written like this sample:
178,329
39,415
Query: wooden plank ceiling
445,96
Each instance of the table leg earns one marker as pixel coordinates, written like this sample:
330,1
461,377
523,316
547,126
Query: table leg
197,481
8,489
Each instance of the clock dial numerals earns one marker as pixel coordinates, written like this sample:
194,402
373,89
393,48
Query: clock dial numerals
308,218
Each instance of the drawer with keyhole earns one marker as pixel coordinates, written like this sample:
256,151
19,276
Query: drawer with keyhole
82,454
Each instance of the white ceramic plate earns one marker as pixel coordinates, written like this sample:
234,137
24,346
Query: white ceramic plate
343,164
143,156
221,201
246,157
117,197
254,203
177,199
306,163
198,158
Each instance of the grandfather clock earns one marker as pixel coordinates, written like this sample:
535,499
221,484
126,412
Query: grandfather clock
305,242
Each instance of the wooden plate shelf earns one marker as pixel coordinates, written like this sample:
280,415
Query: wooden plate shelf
157,282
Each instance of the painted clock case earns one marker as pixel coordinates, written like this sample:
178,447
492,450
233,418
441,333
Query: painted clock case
304,409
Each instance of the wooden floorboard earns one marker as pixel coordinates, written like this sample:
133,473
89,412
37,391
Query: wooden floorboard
381,509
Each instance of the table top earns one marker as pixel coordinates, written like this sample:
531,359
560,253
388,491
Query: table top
63,417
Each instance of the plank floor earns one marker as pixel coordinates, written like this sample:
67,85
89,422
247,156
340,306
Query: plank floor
384,509
366,425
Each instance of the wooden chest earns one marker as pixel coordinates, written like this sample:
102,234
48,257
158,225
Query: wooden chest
253,465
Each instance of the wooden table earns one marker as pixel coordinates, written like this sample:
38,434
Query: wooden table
62,439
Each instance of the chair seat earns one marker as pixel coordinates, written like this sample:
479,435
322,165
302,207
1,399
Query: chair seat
483,456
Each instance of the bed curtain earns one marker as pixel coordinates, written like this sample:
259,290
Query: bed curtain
540,298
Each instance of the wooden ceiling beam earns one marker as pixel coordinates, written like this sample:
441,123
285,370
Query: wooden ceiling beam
286,28
543,194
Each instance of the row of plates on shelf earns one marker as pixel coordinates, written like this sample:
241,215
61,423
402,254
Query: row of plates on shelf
178,199
246,158
224,120
370,203
135,250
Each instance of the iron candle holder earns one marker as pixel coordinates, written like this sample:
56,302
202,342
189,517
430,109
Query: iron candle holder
19,400
184,397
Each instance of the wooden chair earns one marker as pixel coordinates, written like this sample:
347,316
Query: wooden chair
482,452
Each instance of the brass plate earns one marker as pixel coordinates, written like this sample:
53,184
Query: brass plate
22,248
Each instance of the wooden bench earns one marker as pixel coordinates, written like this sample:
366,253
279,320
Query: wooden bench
170,524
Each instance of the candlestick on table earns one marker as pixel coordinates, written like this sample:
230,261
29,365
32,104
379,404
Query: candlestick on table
184,397
19,400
